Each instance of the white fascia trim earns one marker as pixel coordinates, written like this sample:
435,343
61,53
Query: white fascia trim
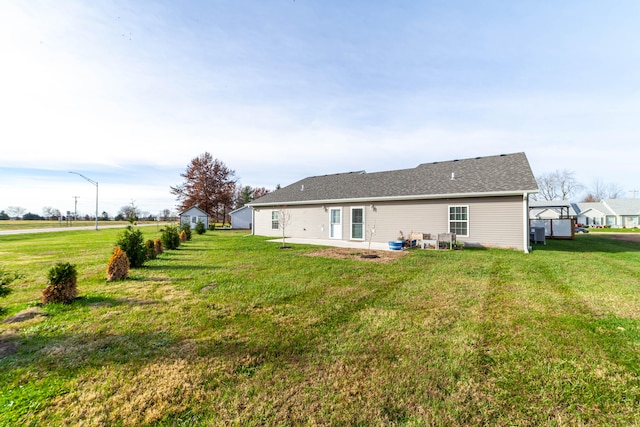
397,198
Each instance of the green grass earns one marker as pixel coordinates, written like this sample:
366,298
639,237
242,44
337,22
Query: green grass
230,330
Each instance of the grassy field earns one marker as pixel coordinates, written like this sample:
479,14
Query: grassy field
230,330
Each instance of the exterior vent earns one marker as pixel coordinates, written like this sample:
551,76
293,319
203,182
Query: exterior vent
453,176
302,187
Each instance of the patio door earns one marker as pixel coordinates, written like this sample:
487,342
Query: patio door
335,223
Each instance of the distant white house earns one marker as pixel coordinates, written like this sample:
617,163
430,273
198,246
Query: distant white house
593,214
242,217
611,212
192,215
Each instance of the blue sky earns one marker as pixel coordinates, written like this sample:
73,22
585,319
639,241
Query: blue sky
127,93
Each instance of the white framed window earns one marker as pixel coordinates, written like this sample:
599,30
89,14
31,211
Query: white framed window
459,220
275,220
357,223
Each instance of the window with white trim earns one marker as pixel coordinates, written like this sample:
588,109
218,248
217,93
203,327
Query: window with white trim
275,220
357,223
459,220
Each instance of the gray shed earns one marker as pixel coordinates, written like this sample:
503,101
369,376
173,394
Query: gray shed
193,215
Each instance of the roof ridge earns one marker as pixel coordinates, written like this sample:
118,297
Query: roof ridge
469,158
360,172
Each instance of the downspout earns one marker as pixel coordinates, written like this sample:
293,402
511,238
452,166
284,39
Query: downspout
253,221
525,219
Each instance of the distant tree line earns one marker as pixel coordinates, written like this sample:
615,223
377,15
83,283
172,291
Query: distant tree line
129,212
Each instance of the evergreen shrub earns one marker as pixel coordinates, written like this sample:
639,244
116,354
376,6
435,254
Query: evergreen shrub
170,237
151,249
157,246
118,267
131,241
62,284
187,230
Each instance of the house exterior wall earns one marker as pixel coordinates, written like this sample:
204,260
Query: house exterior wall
630,221
241,218
493,221
591,217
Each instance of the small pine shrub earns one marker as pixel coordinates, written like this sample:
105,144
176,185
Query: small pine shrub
200,228
183,236
187,230
157,246
118,267
62,284
5,280
171,237
131,241
151,249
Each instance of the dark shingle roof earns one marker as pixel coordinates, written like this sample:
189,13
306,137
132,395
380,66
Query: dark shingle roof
503,174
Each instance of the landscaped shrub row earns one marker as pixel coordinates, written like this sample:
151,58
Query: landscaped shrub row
131,251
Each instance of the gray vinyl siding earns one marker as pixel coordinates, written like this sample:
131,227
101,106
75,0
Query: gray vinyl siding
310,222
497,222
493,221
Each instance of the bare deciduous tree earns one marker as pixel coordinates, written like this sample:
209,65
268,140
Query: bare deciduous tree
547,188
284,219
16,211
50,213
600,190
560,184
567,184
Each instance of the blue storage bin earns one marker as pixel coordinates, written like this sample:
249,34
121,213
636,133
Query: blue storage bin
395,245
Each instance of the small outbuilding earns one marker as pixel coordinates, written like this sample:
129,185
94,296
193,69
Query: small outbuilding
193,215
241,217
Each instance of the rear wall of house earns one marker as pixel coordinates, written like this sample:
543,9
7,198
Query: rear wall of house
493,221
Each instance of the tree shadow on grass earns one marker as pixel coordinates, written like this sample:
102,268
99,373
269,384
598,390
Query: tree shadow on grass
179,267
69,351
104,301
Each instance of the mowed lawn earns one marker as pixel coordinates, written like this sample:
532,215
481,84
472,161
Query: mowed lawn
231,330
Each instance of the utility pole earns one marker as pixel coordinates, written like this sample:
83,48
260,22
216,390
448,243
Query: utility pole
75,210
96,184
634,193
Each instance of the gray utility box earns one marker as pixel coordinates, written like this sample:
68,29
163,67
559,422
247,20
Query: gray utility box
536,235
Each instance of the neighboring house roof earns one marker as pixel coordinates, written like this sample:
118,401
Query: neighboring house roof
550,204
584,207
240,209
504,174
561,207
623,206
